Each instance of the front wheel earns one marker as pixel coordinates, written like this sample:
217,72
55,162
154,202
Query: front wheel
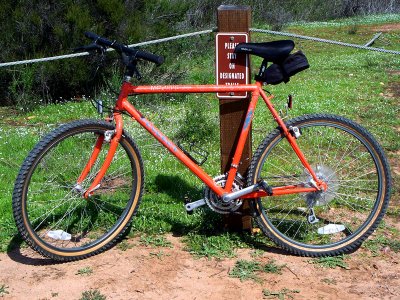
49,208
330,222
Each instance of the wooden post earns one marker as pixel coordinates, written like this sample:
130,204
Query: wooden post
232,112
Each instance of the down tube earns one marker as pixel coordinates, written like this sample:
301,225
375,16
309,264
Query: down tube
167,143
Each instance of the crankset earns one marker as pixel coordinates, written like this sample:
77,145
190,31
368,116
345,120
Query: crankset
216,203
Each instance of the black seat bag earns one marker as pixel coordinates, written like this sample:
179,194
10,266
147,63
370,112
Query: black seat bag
277,73
284,65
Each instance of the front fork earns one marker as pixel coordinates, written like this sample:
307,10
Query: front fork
109,136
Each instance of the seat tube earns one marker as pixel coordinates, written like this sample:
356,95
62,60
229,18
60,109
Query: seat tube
242,140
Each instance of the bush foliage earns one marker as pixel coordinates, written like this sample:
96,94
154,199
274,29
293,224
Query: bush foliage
34,29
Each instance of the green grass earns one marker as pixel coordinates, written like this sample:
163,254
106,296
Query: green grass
360,20
246,270
250,269
340,80
124,245
273,267
379,242
330,262
385,238
329,281
155,241
92,295
85,271
3,290
217,246
256,253
159,254
268,294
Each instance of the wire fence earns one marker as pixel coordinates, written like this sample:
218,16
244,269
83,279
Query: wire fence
315,39
163,40
186,35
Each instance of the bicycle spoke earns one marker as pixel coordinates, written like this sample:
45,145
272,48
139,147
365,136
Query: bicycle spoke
340,158
56,209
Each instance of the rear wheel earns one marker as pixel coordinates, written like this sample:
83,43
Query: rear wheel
344,155
49,209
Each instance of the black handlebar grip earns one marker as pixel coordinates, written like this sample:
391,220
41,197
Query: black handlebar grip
91,35
158,60
100,40
119,47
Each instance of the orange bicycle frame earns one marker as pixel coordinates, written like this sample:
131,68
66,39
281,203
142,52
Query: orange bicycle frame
123,105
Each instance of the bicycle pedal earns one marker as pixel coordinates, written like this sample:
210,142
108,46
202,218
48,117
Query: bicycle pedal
193,205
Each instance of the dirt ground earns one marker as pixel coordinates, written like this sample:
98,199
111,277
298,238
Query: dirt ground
143,272
386,27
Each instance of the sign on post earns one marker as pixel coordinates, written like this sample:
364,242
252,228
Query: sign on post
232,68
233,21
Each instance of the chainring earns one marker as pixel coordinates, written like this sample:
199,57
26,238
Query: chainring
215,202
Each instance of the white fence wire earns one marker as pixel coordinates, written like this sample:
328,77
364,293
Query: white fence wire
172,38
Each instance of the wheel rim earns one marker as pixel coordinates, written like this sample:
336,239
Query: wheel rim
351,202
59,218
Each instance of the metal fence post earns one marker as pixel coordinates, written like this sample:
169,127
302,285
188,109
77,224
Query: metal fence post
232,112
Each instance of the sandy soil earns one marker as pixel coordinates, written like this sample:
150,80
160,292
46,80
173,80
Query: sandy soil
171,273
387,27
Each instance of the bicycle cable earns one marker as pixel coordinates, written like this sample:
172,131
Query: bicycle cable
100,63
128,60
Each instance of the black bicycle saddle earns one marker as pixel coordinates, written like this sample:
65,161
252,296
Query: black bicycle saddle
275,51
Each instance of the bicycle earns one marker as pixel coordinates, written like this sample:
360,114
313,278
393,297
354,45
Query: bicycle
317,185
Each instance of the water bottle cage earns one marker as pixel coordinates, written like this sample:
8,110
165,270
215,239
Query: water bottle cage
196,151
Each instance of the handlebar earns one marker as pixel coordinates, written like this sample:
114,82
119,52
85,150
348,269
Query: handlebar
135,53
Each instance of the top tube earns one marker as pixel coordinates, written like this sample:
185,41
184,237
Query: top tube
128,88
